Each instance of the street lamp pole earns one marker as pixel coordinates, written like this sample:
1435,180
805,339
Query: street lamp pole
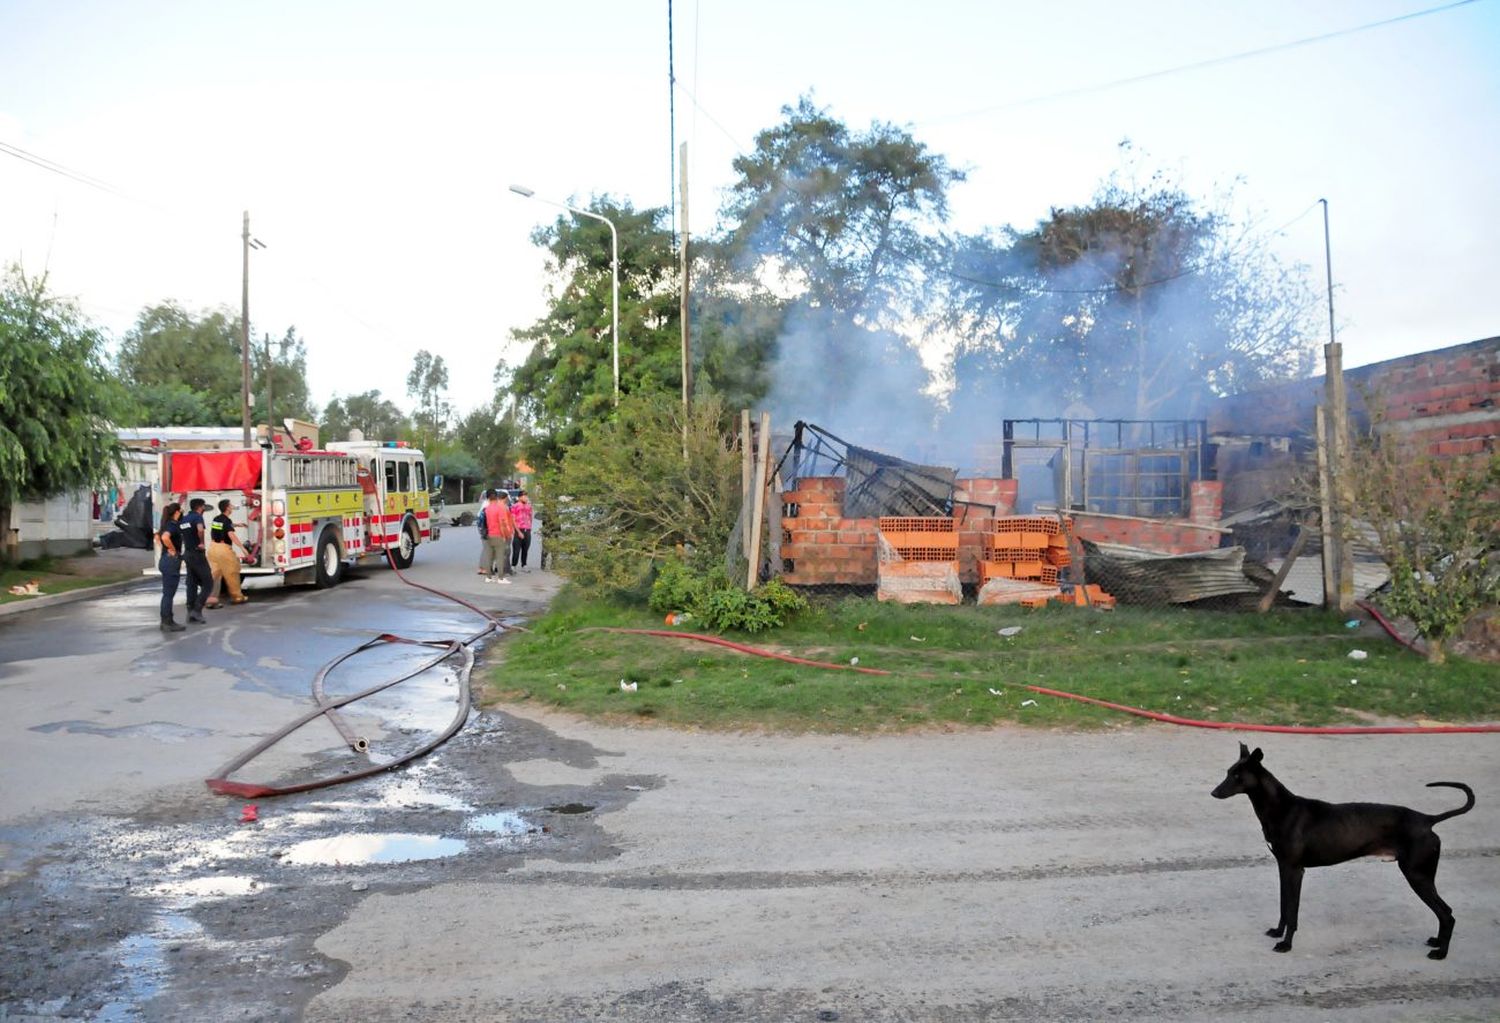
247,242
614,270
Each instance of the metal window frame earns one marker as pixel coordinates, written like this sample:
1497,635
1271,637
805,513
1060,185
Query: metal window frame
1081,443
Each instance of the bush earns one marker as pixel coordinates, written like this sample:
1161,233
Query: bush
721,605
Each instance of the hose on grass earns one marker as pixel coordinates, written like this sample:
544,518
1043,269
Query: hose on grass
1171,719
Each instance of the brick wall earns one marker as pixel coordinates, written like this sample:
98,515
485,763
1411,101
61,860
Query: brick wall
1167,536
825,548
1447,401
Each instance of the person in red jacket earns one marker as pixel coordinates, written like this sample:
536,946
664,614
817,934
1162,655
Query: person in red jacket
520,513
499,529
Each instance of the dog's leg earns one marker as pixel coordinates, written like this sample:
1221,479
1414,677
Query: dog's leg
1419,867
1291,898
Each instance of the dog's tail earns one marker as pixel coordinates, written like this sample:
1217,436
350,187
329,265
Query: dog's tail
1435,817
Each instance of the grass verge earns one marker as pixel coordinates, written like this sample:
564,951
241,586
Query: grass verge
952,667
56,575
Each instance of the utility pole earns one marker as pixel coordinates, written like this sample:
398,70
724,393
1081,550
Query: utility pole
1338,448
247,243
687,357
245,331
270,386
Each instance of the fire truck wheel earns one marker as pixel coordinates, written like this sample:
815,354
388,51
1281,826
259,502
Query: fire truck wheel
330,566
406,548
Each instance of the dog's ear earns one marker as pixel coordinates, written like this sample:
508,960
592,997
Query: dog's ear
1255,757
1244,751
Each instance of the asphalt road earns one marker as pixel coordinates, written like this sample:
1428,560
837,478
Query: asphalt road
542,868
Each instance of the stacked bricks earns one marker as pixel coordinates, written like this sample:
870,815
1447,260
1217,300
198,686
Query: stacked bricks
820,547
1029,547
924,568
977,502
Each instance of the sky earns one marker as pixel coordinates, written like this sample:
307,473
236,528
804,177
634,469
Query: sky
373,144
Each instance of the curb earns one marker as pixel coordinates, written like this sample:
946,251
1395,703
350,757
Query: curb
71,596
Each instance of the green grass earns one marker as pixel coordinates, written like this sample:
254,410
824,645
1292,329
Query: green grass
55,576
1287,667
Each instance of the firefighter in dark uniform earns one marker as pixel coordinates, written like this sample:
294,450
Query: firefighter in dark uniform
200,578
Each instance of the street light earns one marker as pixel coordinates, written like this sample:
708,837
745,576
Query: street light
614,269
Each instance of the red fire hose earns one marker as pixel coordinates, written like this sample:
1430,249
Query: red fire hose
1171,719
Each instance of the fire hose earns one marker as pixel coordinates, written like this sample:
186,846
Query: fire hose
1171,719
220,781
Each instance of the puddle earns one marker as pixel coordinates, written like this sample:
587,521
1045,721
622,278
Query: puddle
143,966
569,808
162,731
353,850
206,887
501,822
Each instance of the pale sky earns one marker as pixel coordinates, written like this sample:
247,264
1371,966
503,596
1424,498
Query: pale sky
373,144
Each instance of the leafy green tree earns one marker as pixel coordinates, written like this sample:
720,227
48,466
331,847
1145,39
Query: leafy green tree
428,383
566,382
374,416
169,349
489,436
843,216
624,496
458,465
845,224
289,396
1140,304
58,399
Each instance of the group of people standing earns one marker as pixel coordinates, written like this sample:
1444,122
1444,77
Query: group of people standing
209,554
505,535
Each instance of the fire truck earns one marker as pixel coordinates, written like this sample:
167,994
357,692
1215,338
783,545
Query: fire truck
304,515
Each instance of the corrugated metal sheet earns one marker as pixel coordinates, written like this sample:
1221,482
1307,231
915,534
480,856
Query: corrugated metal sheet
1148,577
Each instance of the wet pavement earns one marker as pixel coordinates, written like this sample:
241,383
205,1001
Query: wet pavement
131,892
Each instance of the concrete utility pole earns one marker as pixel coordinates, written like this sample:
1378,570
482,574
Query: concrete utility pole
687,358
1338,449
247,243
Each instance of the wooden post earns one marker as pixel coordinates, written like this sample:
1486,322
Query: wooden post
1338,473
1325,509
1286,566
747,458
757,517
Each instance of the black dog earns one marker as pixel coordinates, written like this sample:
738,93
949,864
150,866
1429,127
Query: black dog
1310,833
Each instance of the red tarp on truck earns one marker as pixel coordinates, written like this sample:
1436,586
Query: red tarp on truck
187,471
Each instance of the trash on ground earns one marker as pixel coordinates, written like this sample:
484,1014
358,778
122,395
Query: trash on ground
919,639
997,692
1028,703
1008,631
854,660
250,814
1352,623
628,687
1357,655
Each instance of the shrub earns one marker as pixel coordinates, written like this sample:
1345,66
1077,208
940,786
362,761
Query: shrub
720,604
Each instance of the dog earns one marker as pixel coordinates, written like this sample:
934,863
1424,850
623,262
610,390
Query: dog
30,588
1311,833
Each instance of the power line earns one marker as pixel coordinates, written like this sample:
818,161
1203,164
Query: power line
57,168
1085,90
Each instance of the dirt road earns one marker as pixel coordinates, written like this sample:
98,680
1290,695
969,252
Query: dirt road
976,876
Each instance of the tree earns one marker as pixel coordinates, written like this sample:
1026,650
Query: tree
1140,304
489,436
58,399
567,380
186,370
289,395
625,496
372,415
839,215
170,354
428,382
843,223
1436,522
